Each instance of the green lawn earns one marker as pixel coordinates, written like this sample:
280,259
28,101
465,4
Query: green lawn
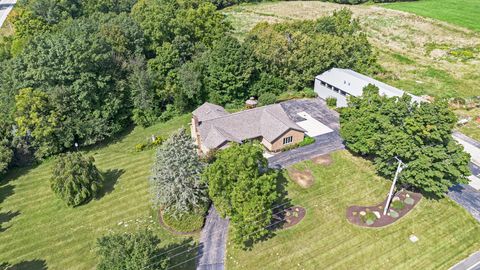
325,240
38,228
472,128
459,12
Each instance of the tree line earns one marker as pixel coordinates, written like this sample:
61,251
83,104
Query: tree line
79,72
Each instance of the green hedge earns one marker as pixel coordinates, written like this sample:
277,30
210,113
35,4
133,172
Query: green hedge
306,141
189,222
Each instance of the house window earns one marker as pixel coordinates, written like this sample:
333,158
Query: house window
288,140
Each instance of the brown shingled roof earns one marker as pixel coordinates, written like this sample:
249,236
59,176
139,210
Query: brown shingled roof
269,122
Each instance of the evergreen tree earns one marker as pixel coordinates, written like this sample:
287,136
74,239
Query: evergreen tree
75,179
176,183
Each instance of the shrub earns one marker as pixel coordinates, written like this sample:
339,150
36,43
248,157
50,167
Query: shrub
369,218
75,179
137,250
139,147
188,222
394,214
306,141
409,201
306,93
398,205
149,144
267,99
331,102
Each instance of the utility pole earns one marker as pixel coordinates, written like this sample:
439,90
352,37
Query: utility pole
400,167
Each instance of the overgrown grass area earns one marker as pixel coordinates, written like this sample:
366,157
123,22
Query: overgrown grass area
472,128
419,55
36,225
326,240
463,13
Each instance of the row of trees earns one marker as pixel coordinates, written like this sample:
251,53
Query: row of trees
419,134
81,71
73,74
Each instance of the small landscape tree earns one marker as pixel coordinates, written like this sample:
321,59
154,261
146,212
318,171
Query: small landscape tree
130,251
176,181
75,179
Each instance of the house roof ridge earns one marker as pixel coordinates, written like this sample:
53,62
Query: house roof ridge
240,112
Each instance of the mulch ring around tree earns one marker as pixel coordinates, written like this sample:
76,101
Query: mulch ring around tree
172,230
372,216
291,216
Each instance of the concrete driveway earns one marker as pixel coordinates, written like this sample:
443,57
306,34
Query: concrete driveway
5,7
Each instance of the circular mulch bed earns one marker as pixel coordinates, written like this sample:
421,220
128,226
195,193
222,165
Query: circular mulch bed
292,216
372,216
172,230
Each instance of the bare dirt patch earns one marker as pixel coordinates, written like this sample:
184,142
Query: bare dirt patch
303,178
324,160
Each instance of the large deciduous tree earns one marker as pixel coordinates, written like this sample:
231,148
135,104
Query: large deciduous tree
75,178
243,188
417,133
176,181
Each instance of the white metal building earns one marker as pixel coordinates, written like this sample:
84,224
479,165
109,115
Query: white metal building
341,83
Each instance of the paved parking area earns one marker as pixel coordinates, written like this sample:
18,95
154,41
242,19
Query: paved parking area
324,143
317,108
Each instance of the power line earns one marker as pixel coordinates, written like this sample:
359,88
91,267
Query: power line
310,199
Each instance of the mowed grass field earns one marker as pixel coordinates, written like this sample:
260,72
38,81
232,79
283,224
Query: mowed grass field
325,239
38,231
465,13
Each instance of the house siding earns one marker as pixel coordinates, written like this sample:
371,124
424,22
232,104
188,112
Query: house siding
277,145
325,92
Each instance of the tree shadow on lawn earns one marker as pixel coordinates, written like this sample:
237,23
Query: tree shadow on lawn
116,138
110,177
25,265
5,192
6,217
278,209
183,255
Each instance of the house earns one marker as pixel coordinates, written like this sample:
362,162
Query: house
341,83
215,128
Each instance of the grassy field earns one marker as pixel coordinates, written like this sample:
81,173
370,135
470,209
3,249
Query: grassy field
419,55
463,13
325,240
472,128
39,231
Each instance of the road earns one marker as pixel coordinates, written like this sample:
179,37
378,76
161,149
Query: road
213,242
470,263
5,8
